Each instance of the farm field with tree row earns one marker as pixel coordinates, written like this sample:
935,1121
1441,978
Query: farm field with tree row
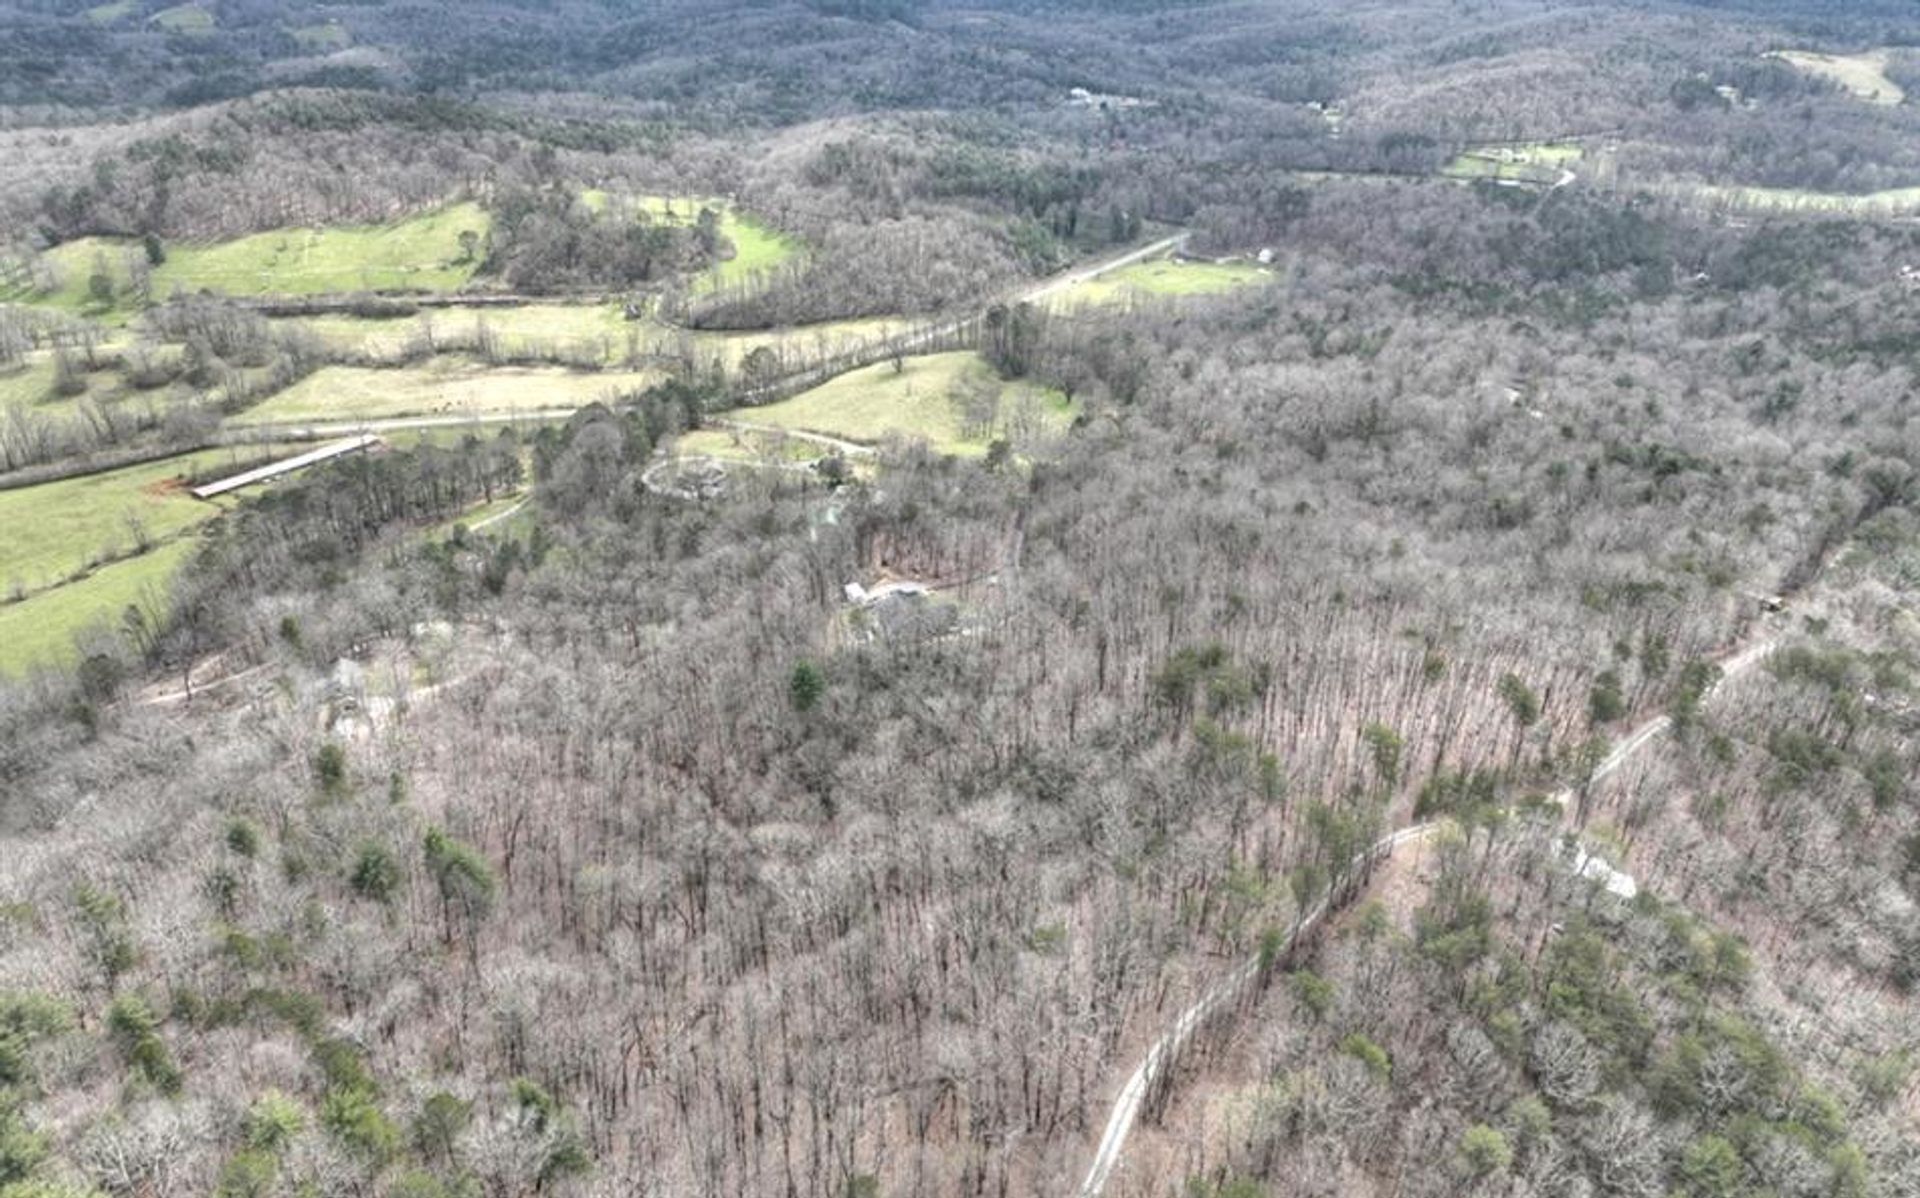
60,528
436,251
79,551
1163,277
590,334
1864,75
42,629
953,402
1537,163
446,386
755,247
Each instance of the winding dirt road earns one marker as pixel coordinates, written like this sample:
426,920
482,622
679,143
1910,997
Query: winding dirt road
837,444
1161,1054
497,517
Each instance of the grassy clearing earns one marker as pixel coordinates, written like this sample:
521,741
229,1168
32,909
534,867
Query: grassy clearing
30,383
329,36
184,18
748,446
835,337
757,246
543,323
442,387
449,436
1900,201
1163,278
40,630
595,332
928,400
569,325
422,253
1533,162
58,529
1864,75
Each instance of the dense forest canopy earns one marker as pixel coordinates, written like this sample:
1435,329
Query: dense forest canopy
882,598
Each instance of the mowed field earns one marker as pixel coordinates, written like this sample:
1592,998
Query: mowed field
30,384
55,530
1160,278
329,35
598,328
184,18
1864,75
108,14
40,630
71,548
757,246
800,342
928,400
588,332
750,445
1899,201
1534,162
422,253
444,386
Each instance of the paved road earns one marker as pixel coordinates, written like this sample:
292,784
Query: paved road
1133,1094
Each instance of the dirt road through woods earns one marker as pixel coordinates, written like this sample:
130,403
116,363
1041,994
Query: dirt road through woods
1161,1055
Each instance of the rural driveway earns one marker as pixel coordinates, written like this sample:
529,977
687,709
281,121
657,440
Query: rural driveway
497,517
1159,1057
1086,274
853,448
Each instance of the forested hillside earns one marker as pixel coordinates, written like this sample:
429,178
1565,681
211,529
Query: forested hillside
881,598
